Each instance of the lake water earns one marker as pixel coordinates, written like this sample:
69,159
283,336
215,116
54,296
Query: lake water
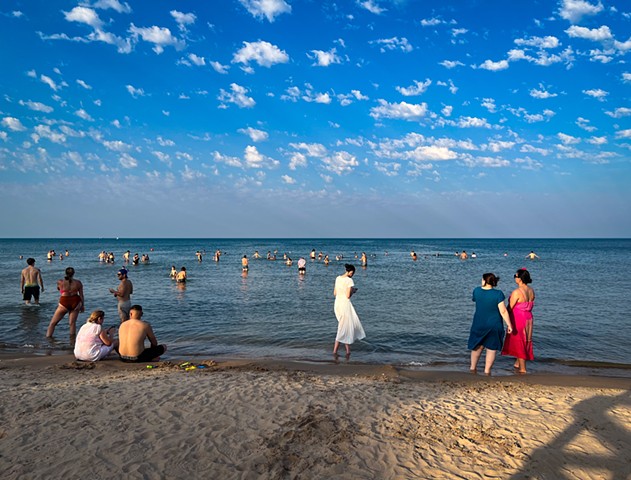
415,314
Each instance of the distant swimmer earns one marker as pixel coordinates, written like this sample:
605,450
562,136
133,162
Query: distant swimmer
326,259
312,255
30,282
181,276
302,266
257,254
245,263
463,255
532,255
413,255
173,272
473,255
199,256
288,261
136,259
364,259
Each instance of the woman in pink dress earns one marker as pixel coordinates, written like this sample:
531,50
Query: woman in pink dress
518,344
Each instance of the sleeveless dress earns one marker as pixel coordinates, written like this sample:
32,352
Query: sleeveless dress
515,344
487,328
349,328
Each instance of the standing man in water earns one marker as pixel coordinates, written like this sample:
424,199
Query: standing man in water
30,282
123,294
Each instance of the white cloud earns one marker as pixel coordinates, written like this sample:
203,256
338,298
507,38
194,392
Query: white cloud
574,10
431,153
498,146
340,162
114,5
597,140
296,160
594,34
263,53
447,110
81,113
626,77
489,104
84,15
36,106
50,82
288,180
402,110
183,19
538,42
84,85
324,59
371,6
269,9
623,134
542,94
568,139
494,66
597,93
254,159
417,89
228,160
620,112
451,64
165,142
116,145
44,131
473,122
160,37
311,149
584,124
4,137
196,60
127,161
219,68
432,22
13,124
237,95
135,92
394,43
254,134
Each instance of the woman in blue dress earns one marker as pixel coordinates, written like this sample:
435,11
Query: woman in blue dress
487,329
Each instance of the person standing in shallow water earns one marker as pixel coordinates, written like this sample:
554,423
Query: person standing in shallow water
349,328
30,282
518,344
487,329
71,302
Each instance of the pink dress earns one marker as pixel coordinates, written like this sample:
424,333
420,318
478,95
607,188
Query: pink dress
516,344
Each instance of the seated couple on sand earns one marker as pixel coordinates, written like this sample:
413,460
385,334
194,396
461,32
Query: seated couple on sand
93,343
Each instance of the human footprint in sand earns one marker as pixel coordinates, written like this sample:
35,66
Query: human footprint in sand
487,329
349,328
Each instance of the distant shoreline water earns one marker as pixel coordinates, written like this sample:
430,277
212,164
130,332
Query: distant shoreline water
416,314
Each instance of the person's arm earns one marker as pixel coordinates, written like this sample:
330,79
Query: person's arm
514,298
81,295
22,279
151,336
106,336
40,279
504,313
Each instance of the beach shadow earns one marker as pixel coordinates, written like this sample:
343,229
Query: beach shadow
596,444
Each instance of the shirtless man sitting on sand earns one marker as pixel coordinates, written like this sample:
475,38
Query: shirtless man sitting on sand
132,335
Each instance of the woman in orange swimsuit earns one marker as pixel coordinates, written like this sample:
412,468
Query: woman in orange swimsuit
70,302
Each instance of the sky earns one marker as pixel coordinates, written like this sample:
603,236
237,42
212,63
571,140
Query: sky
315,118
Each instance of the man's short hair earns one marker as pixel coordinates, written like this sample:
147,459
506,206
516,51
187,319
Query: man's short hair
137,308
30,261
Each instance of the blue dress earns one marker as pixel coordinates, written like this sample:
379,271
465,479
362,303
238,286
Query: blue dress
487,328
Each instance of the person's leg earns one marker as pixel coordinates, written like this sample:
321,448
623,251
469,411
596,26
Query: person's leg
336,347
72,321
57,316
475,356
521,365
36,295
490,359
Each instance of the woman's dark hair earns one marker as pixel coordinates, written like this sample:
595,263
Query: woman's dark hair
69,274
349,267
490,279
523,275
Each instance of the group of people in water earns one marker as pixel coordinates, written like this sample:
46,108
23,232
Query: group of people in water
497,325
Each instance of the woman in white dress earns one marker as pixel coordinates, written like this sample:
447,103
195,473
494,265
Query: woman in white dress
349,328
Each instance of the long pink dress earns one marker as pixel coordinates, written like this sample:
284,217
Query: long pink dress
516,344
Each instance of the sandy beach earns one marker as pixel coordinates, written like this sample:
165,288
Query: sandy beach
277,420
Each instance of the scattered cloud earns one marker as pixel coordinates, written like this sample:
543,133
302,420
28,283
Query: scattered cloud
269,9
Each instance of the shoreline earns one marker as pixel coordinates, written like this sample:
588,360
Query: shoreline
328,368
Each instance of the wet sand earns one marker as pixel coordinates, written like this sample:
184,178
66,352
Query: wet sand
276,419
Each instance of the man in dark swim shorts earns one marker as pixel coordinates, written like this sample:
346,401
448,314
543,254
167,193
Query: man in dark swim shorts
132,335
30,282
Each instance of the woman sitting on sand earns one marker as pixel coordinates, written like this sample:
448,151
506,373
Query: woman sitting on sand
487,330
93,343
70,302
519,343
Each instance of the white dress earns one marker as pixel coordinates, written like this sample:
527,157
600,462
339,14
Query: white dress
349,328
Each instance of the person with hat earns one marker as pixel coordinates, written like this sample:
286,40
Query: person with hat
123,294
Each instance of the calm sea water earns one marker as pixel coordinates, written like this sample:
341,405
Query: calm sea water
414,313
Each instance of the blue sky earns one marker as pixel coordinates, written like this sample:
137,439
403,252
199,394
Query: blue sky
304,118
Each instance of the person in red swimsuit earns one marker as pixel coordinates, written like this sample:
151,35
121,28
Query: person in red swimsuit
70,302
